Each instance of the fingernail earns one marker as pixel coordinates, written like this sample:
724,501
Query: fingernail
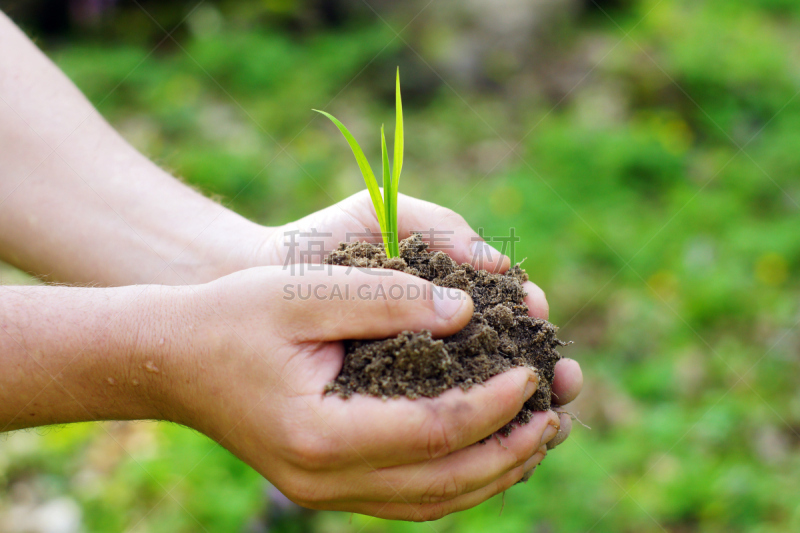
448,302
531,386
482,252
564,429
551,430
549,433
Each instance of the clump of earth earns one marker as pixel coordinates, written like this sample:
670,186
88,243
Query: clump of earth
499,336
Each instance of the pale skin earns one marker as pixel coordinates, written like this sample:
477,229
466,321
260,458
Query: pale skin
186,321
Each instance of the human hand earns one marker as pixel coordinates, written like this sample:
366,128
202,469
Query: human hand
354,219
248,362
351,218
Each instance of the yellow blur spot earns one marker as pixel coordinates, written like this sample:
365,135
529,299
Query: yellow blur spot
664,284
671,132
675,136
505,201
281,6
772,269
181,90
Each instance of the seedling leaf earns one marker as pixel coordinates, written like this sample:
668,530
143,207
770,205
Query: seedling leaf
390,232
366,171
399,146
386,207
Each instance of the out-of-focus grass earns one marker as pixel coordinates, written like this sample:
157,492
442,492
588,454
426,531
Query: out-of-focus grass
657,205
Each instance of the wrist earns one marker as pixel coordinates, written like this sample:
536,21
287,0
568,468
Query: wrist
76,354
159,367
231,244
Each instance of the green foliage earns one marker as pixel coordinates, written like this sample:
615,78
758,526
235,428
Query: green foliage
386,208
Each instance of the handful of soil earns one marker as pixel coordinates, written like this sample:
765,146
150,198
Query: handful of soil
500,335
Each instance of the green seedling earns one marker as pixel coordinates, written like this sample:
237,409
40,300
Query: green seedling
386,207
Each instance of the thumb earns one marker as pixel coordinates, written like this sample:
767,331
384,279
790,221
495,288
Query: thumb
345,303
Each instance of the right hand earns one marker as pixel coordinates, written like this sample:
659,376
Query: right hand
247,366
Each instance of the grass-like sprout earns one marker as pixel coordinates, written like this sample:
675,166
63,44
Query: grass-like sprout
386,207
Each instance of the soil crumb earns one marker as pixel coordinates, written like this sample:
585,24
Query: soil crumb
500,335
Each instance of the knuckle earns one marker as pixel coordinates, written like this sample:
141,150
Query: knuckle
517,458
442,490
401,299
314,454
427,514
296,331
387,290
359,207
513,454
438,438
448,215
356,200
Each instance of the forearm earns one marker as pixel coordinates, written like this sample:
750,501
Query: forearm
76,354
79,204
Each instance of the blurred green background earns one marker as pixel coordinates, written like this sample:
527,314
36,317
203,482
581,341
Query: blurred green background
646,152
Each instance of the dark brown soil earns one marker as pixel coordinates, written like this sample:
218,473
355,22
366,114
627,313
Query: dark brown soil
500,335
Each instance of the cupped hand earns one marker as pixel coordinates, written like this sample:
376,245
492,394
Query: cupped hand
253,351
445,230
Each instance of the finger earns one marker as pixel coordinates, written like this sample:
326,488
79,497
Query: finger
440,227
464,471
403,431
343,303
565,426
536,301
568,381
530,465
447,231
434,511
